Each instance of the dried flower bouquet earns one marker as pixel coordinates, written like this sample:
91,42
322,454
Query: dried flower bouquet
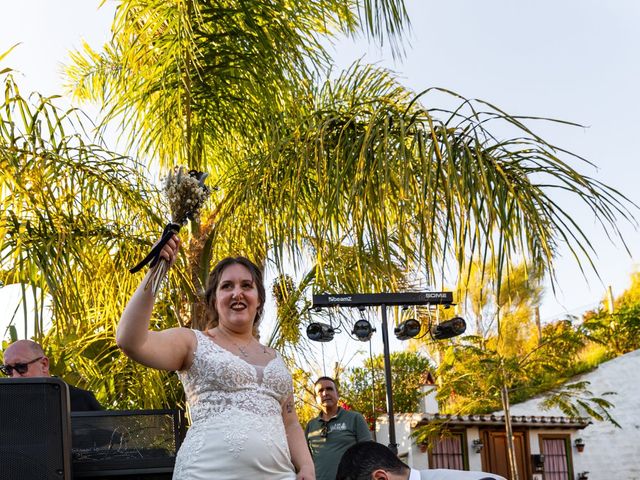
186,192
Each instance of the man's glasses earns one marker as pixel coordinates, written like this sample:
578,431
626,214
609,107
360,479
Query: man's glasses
324,430
21,368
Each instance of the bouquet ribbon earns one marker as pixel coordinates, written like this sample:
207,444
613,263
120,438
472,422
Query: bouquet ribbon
154,255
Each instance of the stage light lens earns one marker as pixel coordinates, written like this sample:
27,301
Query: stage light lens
363,330
320,332
408,329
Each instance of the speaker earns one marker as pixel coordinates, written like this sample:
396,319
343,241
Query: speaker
35,432
130,444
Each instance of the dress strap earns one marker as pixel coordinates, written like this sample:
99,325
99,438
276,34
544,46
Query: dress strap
201,342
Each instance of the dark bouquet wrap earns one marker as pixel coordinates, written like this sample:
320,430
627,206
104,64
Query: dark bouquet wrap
186,192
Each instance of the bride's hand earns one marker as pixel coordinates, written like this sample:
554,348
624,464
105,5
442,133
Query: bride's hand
306,473
170,250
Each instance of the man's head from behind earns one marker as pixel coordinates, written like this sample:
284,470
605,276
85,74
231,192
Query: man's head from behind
25,358
371,461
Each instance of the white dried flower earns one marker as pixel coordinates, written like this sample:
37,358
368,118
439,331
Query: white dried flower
186,193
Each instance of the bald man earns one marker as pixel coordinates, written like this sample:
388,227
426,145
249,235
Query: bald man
25,358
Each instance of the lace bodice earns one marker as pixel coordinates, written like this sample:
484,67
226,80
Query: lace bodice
219,381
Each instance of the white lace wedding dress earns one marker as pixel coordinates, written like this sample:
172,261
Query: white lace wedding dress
236,412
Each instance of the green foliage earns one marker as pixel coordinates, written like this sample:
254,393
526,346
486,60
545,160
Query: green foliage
575,400
308,165
187,76
474,370
287,298
473,375
433,431
617,332
357,176
512,355
360,387
306,406
503,305
74,213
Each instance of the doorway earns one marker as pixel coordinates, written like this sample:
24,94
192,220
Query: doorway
494,456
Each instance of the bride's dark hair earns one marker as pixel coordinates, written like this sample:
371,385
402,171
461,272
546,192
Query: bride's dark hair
214,281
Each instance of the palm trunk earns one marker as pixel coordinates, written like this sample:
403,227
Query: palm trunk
511,451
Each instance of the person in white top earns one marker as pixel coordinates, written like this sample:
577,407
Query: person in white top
240,391
374,461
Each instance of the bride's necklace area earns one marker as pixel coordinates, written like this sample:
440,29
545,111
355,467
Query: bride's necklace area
243,349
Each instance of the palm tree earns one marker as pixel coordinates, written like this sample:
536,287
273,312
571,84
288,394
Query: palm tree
358,176
85,322
508,359
237,89
479,377
68,205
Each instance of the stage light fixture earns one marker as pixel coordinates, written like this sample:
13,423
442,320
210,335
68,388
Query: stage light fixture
449,328
407,329
320,332
363,330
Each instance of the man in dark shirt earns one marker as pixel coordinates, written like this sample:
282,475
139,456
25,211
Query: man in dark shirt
333,431
25,358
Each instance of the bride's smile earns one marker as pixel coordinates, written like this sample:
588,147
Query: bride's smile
237,299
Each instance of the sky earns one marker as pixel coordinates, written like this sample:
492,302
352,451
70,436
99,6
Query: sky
575,60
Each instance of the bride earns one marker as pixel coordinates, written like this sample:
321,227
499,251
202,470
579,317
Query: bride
239,391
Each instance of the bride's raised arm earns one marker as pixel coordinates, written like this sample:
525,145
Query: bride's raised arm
170,349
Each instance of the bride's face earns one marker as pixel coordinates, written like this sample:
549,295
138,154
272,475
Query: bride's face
237,299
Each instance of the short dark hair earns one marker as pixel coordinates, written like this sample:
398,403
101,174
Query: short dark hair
364,458
326,379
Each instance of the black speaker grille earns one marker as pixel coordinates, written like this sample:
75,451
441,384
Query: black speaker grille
32,445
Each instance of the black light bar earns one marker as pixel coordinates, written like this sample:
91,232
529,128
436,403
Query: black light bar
375,299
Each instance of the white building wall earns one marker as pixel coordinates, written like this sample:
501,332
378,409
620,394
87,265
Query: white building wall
408,449
475,458
428,402
403,430
610,453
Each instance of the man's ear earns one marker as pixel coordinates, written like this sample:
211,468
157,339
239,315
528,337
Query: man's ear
45,365
380,474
